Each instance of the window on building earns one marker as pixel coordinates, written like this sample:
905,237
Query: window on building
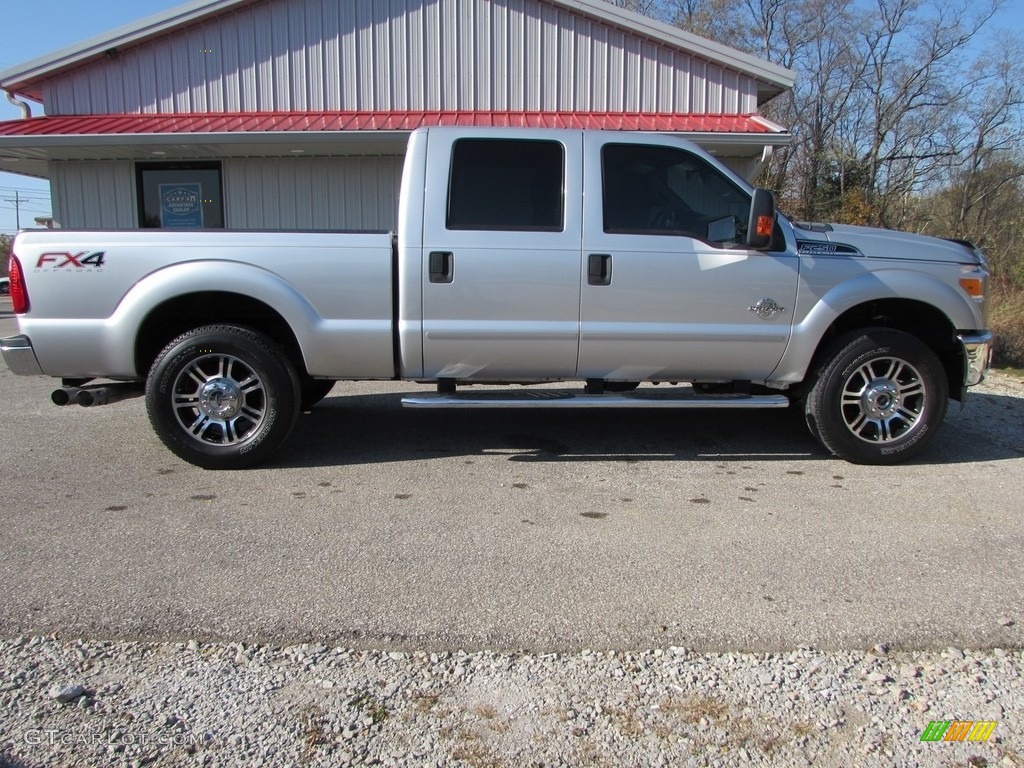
180,195
667,191
506,184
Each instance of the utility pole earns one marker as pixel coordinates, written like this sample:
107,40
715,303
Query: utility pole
17,209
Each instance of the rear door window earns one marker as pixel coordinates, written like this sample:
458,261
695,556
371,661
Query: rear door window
507,184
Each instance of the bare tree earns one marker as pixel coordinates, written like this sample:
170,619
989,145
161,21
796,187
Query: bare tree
912,80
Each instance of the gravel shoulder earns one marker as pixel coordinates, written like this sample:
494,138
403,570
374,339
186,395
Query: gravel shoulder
185,704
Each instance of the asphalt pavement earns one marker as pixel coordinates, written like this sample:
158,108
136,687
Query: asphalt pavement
387,528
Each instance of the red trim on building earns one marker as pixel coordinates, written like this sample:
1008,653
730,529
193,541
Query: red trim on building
271,122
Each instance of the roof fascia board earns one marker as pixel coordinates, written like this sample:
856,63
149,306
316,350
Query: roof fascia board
11,78
318,137
184,139
736,139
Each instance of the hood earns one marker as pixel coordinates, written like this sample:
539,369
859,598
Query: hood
846,240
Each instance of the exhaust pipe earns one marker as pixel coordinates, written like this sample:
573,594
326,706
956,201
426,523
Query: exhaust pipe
65,395
97,394
105,394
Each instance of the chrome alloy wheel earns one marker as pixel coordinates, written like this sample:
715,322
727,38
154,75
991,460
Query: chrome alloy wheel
883,400
219,399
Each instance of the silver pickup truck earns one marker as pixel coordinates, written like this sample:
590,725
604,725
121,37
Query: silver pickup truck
521,256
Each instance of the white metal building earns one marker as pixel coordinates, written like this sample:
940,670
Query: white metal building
294,113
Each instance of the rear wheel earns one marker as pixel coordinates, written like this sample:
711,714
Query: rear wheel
222,397
879,397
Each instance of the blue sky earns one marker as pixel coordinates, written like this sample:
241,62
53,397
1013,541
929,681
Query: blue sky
32,30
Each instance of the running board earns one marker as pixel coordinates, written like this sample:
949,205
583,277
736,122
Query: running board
561,399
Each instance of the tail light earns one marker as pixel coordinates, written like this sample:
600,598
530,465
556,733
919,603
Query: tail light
19,294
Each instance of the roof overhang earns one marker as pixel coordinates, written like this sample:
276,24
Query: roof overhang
26,146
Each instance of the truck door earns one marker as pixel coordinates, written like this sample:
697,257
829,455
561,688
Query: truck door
501,256
667,294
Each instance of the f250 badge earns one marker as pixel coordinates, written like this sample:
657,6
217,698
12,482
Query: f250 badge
83,261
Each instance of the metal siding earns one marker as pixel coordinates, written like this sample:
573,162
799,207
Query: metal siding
195,80
581,68
145,63
550,68
380,55
598,71
713,79
698,82
649,71
94,195
312,193
515,25
406,58
314,59
483,56
748,99
631,75
131,86
532,52
295,56
214,59
616,71
331,56
666,79
730,92
567,68
448,44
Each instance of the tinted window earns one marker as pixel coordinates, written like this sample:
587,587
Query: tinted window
667,191
506,184
180,195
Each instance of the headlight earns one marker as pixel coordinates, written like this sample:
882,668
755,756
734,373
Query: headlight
974,282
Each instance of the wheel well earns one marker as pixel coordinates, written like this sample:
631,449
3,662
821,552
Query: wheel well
924,321
176,316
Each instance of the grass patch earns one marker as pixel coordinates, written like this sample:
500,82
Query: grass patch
1017,373
369,705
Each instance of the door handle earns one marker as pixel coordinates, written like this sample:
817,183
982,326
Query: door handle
442,266
599,269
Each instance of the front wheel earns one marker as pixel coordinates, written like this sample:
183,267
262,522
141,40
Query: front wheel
312,391
879,397
222,397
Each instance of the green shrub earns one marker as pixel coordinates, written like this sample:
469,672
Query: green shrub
1006,321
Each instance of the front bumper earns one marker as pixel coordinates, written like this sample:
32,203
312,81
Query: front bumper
977,356
19,356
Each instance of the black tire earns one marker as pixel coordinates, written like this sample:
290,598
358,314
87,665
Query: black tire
312,391
222,397
879,397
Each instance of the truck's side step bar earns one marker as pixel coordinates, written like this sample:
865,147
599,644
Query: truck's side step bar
561,399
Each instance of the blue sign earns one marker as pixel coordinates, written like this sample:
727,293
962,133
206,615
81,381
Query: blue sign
181,205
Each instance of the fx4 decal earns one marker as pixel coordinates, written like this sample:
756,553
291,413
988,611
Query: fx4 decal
78,260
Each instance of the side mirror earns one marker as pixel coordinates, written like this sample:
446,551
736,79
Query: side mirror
761,225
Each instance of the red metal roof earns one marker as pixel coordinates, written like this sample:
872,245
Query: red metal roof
272,122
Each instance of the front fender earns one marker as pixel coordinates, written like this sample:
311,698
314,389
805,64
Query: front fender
820,310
